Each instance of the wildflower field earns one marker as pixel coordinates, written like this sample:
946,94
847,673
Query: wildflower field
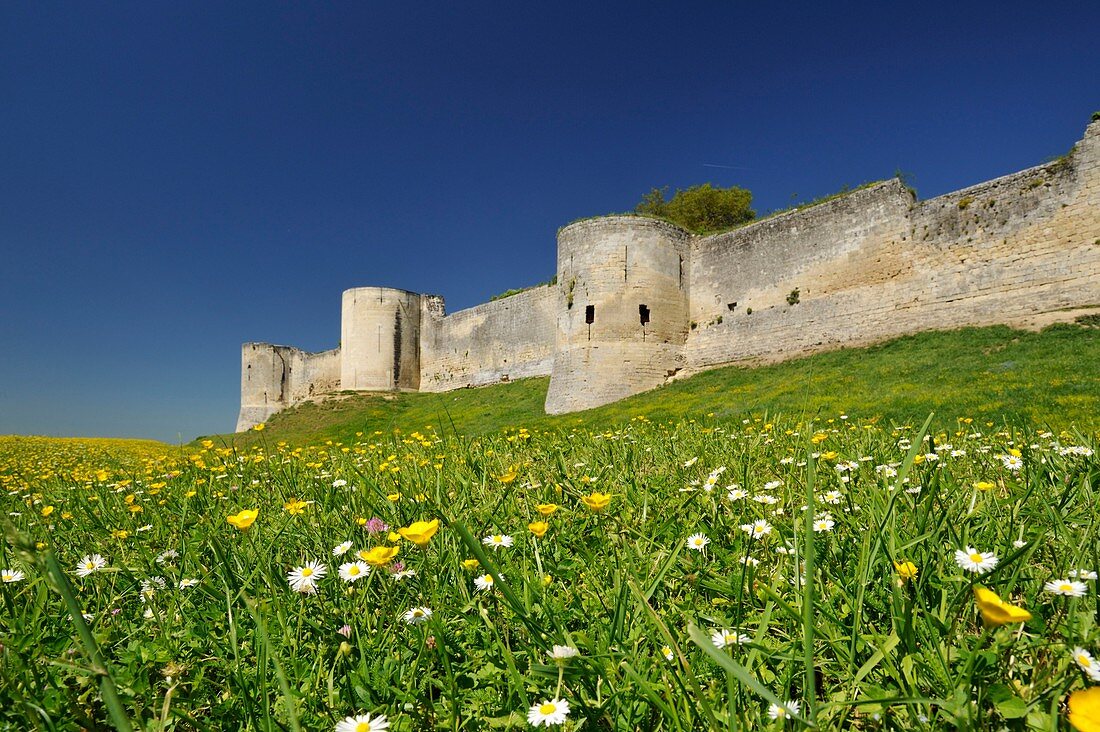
710,574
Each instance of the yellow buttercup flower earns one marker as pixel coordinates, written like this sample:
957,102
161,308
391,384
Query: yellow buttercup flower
905,570
984,485
420,532
819,438
379,556
1084,709
546,508
830,455
46,511
259,427
509,476
596,501
538,528
393,497
244,519
996,611
470,564
295,507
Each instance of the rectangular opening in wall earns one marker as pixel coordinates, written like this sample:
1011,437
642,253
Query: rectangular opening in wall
643,314
731,306
590,314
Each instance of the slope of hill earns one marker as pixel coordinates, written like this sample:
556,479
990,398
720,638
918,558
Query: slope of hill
1051,377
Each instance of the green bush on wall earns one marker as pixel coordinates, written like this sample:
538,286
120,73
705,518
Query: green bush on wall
700,209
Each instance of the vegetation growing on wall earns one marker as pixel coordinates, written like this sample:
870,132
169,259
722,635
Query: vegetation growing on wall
700,209
508,293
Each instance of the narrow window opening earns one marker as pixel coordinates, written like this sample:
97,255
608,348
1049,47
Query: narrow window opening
681,273
731,306
590,314
643,314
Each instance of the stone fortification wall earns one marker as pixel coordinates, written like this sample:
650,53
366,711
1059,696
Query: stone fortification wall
875,264
274,377
623,316
639,301
510,338
380,339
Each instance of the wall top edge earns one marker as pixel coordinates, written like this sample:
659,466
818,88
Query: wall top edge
504,302
1053,167
273,346
891,185
625,221
372,288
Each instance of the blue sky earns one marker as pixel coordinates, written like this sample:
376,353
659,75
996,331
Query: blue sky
178,178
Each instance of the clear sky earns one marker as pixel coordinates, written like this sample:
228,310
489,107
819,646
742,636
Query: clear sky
177,178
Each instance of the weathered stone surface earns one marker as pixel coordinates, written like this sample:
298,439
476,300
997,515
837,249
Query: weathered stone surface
871,265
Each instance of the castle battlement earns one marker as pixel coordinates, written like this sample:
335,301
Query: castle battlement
639,301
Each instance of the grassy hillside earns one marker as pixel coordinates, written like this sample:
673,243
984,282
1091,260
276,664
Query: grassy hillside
993,374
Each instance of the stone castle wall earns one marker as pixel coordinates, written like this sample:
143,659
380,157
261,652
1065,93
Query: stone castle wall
876,264
640,301
276,377
510,338
622,318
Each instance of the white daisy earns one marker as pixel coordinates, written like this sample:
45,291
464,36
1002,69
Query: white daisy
666,651
562,653
735,493
341,549
1084,574
824,523
417,615
167,556
691,462
832,497
496,541
698,542
11,575
973,560
1019,544
757,529
548,712
1069,588
1084,659
339,483
1012,462
722,638
150,586
363,723
484,582
750,561
783,711
304,579
188,583
771,485
766,499
353,571
90,563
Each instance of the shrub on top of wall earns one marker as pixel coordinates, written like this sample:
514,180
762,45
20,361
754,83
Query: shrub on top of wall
700,209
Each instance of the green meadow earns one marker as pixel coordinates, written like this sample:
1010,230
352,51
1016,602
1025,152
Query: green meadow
896,538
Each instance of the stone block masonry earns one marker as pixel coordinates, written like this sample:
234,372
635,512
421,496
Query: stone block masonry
640,301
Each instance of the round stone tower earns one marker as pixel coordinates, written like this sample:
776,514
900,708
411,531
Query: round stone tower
624,313
380,339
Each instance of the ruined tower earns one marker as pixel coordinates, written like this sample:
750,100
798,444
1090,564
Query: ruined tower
623,319
380,339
